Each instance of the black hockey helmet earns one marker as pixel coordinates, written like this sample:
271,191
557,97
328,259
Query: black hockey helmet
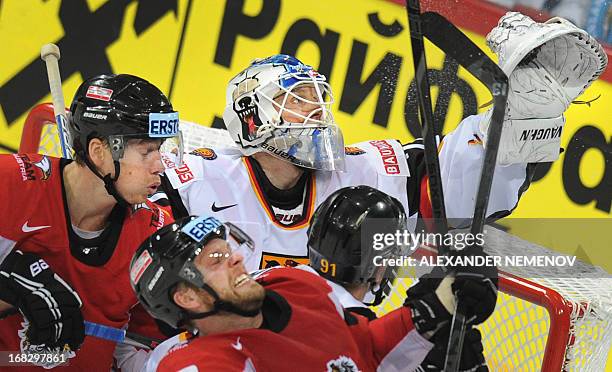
117,108
166,259
106,106
338,228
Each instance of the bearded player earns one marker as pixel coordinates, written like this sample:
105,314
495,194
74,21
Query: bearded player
190,275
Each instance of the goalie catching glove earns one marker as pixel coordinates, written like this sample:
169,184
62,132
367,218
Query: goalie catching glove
548,65
50,305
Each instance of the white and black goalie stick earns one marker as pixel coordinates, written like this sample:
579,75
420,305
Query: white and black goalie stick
455,44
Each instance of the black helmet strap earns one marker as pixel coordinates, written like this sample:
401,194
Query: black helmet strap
109,182
379,292
109,185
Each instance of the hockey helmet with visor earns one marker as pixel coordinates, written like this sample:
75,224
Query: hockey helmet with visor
167,259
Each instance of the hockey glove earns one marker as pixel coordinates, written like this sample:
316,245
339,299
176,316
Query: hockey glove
429,313
476,287
472,358
548,65
50,305
432,298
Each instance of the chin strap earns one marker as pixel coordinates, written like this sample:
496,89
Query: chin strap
378,292
219,306
109,182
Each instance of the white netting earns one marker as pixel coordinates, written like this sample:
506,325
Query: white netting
195,136
516,336
49,141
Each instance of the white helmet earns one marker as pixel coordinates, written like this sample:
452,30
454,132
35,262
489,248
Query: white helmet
258,96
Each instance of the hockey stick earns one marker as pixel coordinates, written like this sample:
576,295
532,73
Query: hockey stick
106,333
119,336
430,130
454,43
417,31
50,53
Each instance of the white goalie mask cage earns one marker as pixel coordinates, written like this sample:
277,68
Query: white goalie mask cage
283,107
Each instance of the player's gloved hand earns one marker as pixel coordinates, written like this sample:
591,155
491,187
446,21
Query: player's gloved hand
472,358
49,304
429,313
432,299
548,65
476,287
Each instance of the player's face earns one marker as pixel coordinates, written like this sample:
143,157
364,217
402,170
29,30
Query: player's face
140,169
224,271
300,104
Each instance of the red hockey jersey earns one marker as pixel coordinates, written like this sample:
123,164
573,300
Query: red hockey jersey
34,219
306,331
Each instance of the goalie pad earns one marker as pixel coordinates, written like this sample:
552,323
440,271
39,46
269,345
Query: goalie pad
549,65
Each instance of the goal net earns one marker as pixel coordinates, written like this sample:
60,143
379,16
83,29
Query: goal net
546,318
542,322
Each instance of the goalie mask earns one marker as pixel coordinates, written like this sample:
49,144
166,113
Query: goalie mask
281,106
118,108
167,258
337,230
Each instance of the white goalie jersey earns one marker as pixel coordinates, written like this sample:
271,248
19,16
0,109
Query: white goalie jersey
223,183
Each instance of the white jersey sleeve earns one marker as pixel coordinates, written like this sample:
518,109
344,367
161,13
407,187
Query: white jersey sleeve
400,171
131,359
163,349
461,154
461,158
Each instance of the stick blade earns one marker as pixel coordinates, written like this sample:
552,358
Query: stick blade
456,44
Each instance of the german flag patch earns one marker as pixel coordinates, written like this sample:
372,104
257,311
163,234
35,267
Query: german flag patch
269,260
475,141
